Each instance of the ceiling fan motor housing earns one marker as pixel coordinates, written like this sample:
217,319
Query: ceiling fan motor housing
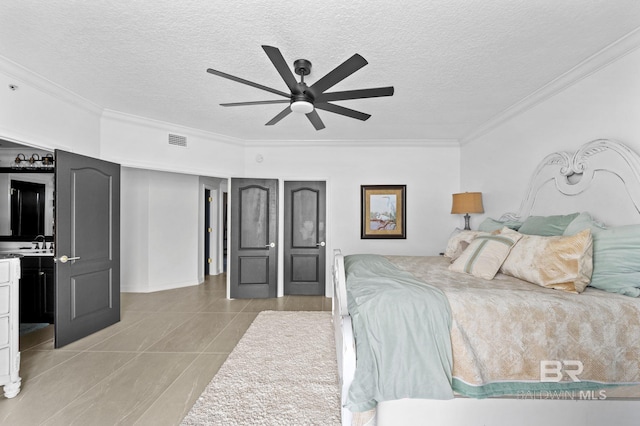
303,94
302,67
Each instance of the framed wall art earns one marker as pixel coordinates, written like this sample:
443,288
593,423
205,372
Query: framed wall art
383,211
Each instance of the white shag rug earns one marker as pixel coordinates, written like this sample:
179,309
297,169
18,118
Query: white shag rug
282,372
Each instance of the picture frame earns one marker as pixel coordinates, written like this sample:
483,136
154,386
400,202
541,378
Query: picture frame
383,211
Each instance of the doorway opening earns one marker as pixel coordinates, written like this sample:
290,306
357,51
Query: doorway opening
26,226
207,231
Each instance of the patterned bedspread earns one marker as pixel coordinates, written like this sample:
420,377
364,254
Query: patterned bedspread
504,328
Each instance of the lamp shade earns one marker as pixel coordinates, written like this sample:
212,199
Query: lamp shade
467,202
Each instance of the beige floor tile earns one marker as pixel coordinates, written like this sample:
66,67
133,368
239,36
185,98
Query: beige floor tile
146,302
226,305
195,334
33,363
127,394
144,333
259,305
303,303
228,339
36,338
44,395
127,319
176,401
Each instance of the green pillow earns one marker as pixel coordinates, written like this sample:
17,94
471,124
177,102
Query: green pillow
490,225
616,265
582,222
546,226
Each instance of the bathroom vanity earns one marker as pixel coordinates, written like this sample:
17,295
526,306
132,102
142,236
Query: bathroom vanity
9,325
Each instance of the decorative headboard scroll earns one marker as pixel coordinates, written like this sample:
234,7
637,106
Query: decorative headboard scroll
603,175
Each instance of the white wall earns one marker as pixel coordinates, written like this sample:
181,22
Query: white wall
605,104
134,231
43,115
160,230
429,170
142,143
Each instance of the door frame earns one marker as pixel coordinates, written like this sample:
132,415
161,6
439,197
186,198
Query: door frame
208,231
216,186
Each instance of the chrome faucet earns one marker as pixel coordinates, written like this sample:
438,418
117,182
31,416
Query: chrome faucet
35,241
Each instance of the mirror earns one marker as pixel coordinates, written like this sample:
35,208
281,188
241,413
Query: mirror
28,207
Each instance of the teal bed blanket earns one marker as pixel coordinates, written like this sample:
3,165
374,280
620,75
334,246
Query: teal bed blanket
388,344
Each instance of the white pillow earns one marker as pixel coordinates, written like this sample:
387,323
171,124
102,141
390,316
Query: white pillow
559,262
459,241
486,253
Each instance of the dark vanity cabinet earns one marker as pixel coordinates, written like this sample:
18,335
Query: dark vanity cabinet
37,290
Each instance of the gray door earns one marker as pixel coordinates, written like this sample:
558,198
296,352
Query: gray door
87,246
304,238
253,259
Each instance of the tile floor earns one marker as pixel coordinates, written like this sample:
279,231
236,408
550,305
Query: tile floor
148,369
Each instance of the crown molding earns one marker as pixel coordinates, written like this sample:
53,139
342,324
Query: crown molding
169,127
32,141
592,64
164,168
355,143
18,72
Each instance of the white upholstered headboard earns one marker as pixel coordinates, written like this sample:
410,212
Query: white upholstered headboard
602,178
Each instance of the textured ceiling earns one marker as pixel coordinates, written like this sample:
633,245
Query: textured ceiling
455,65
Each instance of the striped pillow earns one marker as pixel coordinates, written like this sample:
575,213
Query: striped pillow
485,254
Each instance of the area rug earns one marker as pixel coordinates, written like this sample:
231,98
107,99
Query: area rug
282,372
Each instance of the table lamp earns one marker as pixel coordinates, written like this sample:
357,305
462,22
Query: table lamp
465,203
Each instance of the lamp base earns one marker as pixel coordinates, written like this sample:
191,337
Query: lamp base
466,222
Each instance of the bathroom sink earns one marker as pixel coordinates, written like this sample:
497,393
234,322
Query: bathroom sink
30,252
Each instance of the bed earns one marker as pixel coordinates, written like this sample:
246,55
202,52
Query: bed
503,350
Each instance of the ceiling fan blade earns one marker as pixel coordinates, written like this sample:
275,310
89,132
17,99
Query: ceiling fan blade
281,65
337,109
314,118
339,73
356,94
279,117
247,82
275,101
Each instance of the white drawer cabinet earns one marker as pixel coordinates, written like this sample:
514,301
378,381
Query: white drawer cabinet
9,326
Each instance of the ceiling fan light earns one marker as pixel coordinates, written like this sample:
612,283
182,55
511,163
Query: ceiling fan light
301,107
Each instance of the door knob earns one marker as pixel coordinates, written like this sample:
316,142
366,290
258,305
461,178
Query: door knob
271,245
321,244
65,259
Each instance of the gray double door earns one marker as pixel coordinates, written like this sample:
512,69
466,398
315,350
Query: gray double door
254,238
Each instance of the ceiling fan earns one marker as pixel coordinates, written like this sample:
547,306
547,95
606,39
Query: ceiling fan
308,99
